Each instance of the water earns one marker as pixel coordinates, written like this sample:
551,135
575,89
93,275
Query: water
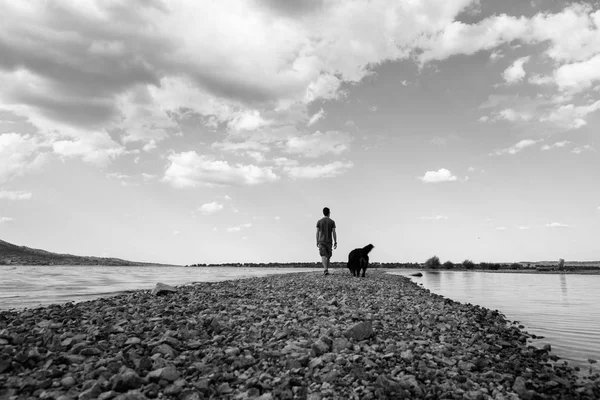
32,286
565,309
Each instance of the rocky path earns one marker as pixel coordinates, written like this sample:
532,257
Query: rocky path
279,337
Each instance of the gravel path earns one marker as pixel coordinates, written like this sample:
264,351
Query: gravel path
299,335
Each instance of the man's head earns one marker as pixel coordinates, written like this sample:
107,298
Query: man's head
326,211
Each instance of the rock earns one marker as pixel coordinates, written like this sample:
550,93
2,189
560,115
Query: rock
163,289
520,388
320,347
133,340
340,344
67,382
418,274
131,395
165,350
91,393
315,362
168,373
360,331
125,381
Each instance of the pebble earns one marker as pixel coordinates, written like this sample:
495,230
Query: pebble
279,337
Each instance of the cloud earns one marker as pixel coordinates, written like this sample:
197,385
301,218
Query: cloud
239,228
578,76
541,80
434,218
87,67
579,150
210,208
14,195
515,73
521,145
97,148
500,228
19,154
318,144
556,225
188,169
6,220
318,170
570,116
441,175
555,145
250,120
319,115
176,233
523,228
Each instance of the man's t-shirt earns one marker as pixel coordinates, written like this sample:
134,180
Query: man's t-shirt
326,226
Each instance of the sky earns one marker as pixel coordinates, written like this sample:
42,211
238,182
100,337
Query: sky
216,131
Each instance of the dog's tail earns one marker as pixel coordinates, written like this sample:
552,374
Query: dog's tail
367,249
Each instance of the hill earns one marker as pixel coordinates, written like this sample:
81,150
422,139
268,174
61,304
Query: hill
12,254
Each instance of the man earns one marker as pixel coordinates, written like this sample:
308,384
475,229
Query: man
325,232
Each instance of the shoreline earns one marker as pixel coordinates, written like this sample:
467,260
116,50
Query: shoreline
298,335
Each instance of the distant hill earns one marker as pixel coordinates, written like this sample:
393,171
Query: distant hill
12,254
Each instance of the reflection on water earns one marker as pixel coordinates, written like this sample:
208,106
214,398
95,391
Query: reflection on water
30,286
565,309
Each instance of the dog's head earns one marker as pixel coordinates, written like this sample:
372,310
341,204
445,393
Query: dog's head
367,249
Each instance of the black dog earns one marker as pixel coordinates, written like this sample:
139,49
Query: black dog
358,259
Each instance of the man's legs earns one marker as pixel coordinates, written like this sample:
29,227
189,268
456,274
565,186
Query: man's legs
325,253
325,261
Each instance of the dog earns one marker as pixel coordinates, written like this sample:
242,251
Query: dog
358,260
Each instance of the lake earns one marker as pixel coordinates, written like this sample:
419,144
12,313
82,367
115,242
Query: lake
565,309
31,286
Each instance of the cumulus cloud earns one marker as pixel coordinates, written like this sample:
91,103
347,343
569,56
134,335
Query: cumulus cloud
189,169
319,115
317,170
523,228
556,225
96,148
500,228
519,146
239,228
19,154
434,218
210,208
14,195
6,220
555,145
441,175
579,150
318,144
515,73
570,116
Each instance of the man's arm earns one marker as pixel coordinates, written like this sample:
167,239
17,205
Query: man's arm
334,239
317,237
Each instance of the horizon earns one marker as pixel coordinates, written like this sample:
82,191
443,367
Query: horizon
216,132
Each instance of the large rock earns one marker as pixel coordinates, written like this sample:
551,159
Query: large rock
125,381
168,373
360,331
161,289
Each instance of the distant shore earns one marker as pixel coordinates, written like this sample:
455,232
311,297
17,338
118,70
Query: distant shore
299,335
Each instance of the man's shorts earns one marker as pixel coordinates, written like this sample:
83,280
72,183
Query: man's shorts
325,250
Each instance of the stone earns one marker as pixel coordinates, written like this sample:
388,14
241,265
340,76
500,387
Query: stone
340,344
320,347
360,331
520,388
168,373
162,289
125,381
91,393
